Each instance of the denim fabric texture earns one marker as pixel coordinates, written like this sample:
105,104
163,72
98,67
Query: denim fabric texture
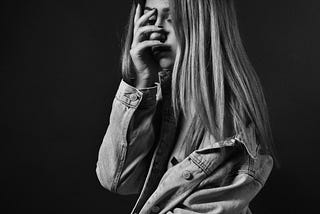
221,177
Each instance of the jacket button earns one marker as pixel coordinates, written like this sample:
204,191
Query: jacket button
133,97
187,175
155,209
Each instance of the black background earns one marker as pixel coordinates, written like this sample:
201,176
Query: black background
60,71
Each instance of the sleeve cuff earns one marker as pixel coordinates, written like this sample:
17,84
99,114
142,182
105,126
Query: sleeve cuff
133,97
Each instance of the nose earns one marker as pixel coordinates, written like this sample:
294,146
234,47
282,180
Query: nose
160,35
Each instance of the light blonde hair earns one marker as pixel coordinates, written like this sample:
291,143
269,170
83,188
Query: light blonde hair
212,73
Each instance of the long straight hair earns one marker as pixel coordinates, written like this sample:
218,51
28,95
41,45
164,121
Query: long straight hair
212,75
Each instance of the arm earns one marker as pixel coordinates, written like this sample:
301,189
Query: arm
230,187
122,162
219,178
233,198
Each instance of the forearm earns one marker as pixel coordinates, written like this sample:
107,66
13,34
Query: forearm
229,192
128,140
219,178
234,198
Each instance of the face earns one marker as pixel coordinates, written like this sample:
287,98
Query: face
164,56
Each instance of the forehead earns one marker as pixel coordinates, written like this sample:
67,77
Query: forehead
157,4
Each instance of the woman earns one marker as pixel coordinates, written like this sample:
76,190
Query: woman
188,129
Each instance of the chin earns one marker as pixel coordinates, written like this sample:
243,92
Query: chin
165,63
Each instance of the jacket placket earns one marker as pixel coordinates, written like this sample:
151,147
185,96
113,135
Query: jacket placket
165,145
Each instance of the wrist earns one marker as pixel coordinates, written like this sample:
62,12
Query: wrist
145,81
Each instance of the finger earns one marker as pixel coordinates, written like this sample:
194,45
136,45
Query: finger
138,13
142,20
148,29
147,44
144,31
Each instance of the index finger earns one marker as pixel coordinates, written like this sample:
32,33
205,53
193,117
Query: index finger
141,20
138,13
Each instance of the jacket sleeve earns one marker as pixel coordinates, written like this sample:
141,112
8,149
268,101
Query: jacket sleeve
122,160
234,198
230,187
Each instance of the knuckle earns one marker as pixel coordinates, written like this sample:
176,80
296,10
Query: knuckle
139,31
135,29
134,51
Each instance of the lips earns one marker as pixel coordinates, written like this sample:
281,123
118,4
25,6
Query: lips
158,51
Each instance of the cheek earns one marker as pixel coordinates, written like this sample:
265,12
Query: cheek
173,38
173,42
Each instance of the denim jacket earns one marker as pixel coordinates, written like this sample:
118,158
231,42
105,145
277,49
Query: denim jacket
222,177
